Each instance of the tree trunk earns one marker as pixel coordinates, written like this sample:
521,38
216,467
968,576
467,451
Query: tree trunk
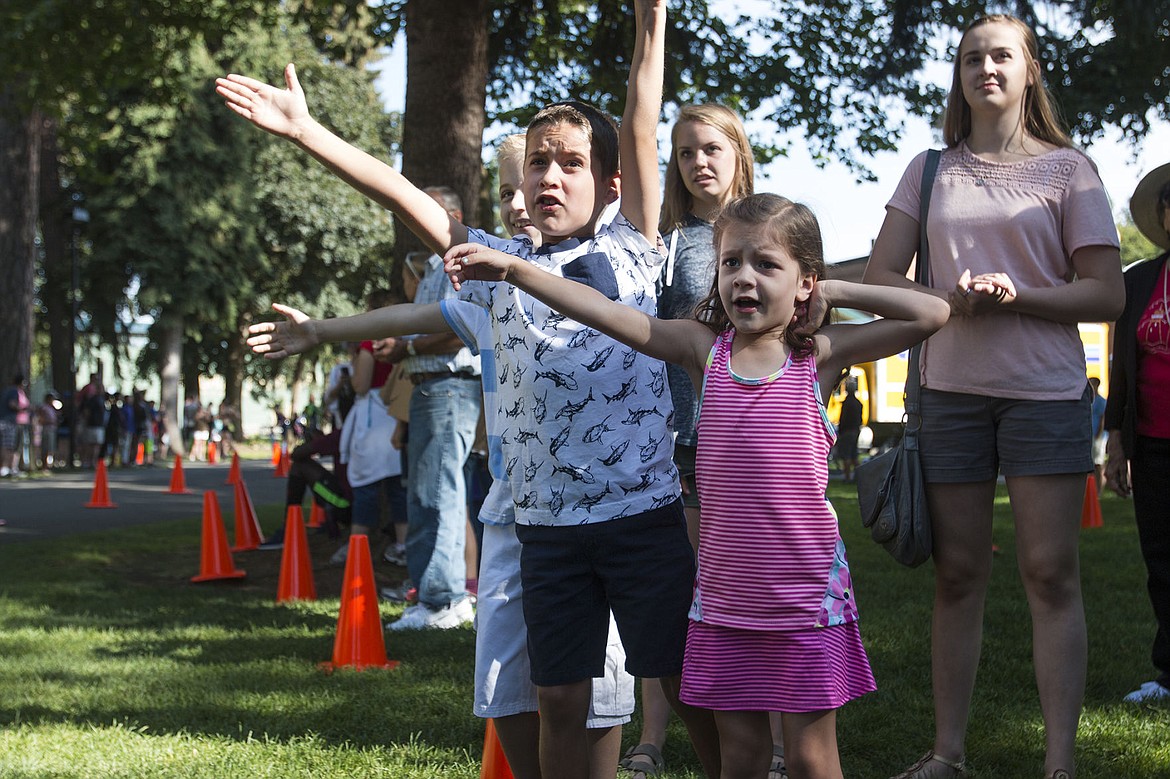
233,371
171,358
57,262
446,88
19,184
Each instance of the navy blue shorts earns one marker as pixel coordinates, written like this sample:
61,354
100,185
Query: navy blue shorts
641,567
973,438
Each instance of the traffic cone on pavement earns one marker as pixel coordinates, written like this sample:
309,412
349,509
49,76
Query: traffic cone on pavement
278,471
275,453
316,515
248,533
212,453
234,471
360,642
141,456
296,569
1091,513
495,764
178,482
100,498
215,559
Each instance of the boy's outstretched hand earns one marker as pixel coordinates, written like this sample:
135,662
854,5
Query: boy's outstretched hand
279,111
476,262
281,339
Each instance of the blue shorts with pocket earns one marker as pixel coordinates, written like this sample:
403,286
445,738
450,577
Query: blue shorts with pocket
641,567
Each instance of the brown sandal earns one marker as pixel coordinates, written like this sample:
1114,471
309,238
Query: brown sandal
932,766
642,761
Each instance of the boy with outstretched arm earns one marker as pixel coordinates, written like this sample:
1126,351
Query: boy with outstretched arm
587,439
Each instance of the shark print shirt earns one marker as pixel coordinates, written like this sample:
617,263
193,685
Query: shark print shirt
584,423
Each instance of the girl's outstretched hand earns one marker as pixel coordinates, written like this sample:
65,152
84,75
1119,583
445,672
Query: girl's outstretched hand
279,111
476,262
280,339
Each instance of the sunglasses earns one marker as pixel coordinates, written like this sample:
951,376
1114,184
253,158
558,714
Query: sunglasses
419,257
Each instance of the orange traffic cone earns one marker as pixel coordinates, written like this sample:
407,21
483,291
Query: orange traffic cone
212,452
248,533
316,515
296,569
278,469
215,560
234,471
275,453
100,498
285,463
178,482
140,458
495,764
359,642
1091,513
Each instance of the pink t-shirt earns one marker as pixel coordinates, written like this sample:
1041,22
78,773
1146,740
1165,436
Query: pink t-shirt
1025,219
770,555
1153,366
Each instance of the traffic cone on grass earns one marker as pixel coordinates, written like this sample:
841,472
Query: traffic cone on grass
248,533
100,498
316,516
359,643
495,764
1091,513
215,559
234,471
178,482
296,569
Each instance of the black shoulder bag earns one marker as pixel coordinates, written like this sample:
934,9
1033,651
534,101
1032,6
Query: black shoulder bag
891,491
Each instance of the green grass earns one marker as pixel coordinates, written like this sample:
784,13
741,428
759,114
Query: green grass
113,665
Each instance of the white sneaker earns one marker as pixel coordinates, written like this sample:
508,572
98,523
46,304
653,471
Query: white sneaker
419,617
395,554
1150,691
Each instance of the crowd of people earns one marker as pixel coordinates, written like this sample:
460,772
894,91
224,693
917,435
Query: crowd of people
653,373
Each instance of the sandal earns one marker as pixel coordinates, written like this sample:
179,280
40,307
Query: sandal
642,761
932,766
778,770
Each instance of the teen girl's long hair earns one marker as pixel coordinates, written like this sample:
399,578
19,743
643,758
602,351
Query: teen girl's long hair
677,202
793,226
1039,116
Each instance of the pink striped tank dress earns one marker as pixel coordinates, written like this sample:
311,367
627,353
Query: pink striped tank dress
773,622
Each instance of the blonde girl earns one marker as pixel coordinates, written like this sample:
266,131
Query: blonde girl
1022,246
794,645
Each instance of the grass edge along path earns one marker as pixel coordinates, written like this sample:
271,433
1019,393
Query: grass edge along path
112,664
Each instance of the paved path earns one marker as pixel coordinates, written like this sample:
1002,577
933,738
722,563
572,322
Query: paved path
55,506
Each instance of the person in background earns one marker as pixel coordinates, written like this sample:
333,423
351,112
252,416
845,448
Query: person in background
13,403
1097,431
48,420
1136,419
848,428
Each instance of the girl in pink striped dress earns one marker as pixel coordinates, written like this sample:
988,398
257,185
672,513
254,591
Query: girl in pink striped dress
773,623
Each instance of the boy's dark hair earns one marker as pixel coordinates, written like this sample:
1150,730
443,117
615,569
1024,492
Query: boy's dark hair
379,298
793,226
601,130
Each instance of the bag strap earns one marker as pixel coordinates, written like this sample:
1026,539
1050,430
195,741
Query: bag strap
921,276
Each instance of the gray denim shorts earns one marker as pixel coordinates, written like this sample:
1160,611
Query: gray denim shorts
973,438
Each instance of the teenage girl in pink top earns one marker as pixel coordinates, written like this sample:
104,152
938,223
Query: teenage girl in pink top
1023,246
773,625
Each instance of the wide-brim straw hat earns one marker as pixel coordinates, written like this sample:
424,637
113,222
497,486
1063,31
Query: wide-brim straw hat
1144,205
